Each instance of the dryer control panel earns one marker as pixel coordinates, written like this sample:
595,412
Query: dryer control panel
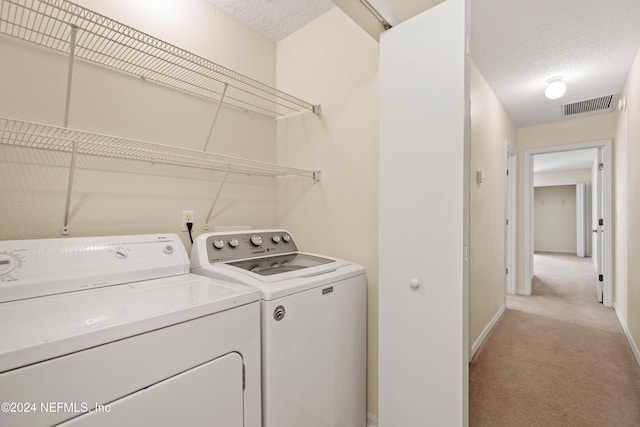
39,267
232,246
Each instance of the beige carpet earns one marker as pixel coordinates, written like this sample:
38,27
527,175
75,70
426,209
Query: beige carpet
557,358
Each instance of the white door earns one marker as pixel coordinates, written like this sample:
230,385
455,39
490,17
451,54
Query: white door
599,227
208,395
423,222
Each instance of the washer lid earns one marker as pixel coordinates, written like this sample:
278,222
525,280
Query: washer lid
37,329
268,266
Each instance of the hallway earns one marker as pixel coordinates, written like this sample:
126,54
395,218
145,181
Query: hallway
556,358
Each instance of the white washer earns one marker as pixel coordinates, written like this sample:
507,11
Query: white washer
110,331
313,325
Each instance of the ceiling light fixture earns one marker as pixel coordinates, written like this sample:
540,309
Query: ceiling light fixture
383,12
556,88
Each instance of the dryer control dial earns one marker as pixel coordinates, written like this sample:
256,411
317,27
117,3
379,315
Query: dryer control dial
7,264
276,238
286,238
218,243
256,240
121,252
234,243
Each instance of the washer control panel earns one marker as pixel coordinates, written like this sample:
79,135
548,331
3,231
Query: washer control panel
224,247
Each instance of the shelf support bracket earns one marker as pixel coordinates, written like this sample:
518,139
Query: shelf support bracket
72,54
215,200
72,169
74,153
215,116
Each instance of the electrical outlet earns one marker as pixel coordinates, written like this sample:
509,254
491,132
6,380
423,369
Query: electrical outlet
187,216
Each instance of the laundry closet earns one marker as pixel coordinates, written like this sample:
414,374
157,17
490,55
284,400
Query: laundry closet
118,131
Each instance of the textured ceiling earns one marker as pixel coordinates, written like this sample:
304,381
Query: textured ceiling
275,19
517,45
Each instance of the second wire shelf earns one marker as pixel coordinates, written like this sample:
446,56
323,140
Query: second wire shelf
47,137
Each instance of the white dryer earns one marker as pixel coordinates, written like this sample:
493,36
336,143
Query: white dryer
108,331
313,325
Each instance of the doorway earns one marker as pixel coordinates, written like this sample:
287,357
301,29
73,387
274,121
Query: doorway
602,246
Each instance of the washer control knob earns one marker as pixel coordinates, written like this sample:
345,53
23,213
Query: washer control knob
286,238
256,240
276,238
414,283
233,243
168,249
218,244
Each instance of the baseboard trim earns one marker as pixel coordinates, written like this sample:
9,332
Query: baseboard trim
476,345
632,343
372,420
522,292
556,251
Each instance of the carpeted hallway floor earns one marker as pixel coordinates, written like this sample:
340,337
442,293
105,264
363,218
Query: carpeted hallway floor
556,358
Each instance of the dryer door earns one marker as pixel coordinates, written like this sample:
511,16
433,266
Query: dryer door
208,395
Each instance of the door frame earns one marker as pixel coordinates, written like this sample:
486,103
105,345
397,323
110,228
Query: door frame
599,240
511,233
607,193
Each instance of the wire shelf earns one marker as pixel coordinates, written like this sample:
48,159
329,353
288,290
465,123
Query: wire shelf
46,137
110,43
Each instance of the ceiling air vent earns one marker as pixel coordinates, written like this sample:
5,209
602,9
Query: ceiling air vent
589,106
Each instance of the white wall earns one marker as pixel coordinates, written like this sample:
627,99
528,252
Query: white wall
334,63
627,203
568,177
116,197
555,219
572,177
490,128
423,183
